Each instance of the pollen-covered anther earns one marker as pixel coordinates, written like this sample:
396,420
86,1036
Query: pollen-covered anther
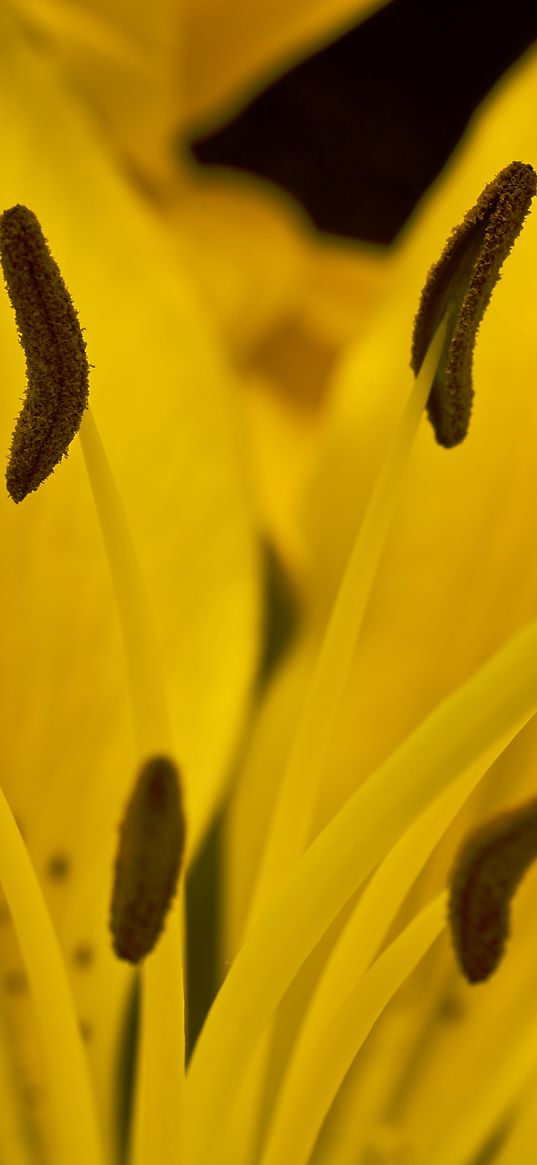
459,287
56,363
149,858
487,871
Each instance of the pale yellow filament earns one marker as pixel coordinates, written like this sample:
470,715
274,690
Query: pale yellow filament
291,822
297,1123
365,931
482,716
294,807
157,1123
71,1091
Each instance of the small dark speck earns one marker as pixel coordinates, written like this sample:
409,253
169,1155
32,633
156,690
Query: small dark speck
33,1095
58,866
83,955
15,982
451,1008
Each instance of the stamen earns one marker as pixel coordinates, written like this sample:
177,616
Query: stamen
487,871
157,1105
460,285
56,363
288,831
149,860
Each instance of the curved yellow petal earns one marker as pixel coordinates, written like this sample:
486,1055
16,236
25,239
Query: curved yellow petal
484,714
77,1127
490,1075
285,300
298,1120
520,1140
232,50
302,779
246,247
434,1071
124,59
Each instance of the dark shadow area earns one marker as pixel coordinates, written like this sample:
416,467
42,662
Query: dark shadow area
202,913
357,132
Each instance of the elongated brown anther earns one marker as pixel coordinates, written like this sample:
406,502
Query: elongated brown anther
56,363
487,871
460,286
149,858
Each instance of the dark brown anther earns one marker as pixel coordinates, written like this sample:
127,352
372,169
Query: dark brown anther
149,858
56,364
459,286
487,871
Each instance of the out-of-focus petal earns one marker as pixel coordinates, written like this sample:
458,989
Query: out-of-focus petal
233,49
246,245
286,300
124,57
483,715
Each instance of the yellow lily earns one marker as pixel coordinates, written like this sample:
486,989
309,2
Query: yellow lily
427,1085
65,675
415,676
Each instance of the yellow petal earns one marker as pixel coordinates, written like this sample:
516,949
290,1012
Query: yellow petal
246,247
520,1140
471,1102
298,1120
301,781
124,61
234,49
285,300
455,578
77,1128
484,714
163,395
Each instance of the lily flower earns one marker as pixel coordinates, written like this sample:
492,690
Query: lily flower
402,715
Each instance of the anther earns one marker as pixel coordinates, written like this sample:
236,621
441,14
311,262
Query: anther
459,286
487,871
56,364
149,859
